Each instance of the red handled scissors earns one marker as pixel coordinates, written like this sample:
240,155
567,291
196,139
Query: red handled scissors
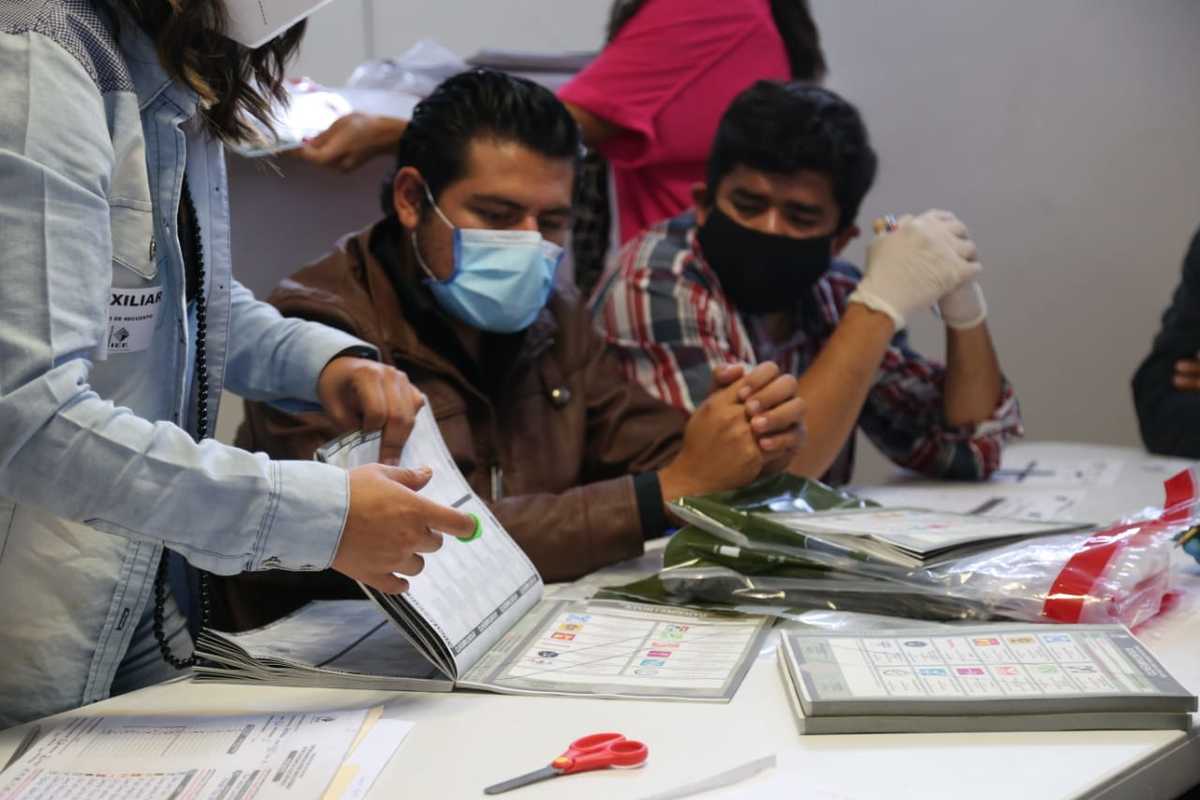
598,751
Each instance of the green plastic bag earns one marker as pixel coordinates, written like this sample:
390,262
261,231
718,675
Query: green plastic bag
767,566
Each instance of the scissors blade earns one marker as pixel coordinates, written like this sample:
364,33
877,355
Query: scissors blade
523,780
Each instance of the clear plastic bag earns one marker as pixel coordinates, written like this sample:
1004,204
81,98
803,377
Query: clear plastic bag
1119,573
417,71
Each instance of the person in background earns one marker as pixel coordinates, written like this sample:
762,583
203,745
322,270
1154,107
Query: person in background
651,100
648,104
455,286
120,322
641,88
750,275
1166,388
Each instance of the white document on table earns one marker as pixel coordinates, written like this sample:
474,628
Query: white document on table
1083,473
378,740
284,756
916,530
982,500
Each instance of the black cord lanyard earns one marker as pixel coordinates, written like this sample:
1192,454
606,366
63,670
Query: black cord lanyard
196,260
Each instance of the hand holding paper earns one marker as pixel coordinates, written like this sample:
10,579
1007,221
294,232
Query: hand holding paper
389,526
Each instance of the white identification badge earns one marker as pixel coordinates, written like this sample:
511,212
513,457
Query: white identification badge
132,315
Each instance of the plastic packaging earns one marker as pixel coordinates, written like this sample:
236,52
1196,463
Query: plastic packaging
417,71
1119,573
309,109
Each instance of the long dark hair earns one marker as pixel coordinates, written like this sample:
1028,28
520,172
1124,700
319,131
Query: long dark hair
230,79
792,18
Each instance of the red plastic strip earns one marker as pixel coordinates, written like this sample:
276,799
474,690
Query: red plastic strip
1077,580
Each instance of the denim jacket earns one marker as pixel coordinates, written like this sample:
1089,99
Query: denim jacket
97,466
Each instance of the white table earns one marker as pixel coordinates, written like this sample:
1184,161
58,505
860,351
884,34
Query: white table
463,742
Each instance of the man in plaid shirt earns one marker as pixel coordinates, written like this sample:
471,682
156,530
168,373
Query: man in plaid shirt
749,276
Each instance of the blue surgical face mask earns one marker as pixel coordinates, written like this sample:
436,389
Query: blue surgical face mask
501,279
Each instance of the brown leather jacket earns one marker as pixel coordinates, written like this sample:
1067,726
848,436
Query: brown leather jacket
546,419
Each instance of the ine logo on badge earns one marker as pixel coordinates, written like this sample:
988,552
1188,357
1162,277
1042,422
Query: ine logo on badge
132,317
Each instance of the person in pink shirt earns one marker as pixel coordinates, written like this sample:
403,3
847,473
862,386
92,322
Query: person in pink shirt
649,104
651,100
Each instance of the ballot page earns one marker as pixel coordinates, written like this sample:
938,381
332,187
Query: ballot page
918,531
287,756
1002,668
615,649
470,592
984,500
342,644
1081,473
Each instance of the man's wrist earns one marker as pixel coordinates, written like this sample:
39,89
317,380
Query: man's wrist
877,323
651,508
878,306
674,483
964,308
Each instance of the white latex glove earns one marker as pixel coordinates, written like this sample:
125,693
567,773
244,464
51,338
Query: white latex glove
916,265
964,307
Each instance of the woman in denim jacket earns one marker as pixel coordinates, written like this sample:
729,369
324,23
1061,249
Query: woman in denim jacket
121,323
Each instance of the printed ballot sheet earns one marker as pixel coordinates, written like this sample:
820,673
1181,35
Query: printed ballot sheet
619,649
915,530
1082,473
982,500
292,756
467,587
984,669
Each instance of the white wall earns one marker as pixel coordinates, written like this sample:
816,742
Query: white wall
1066,134
348,32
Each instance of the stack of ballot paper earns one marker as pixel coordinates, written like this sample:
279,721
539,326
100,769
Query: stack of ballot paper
300,755
475,617
1000,677
904,537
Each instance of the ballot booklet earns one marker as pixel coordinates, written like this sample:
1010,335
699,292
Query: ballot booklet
905,537
475,617
998,677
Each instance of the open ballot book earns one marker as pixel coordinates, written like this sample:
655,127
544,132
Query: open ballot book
999,677
475,617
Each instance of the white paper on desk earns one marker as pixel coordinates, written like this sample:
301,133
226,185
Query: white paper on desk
378,741
469,593
285,756
1066,472
982,500
914,529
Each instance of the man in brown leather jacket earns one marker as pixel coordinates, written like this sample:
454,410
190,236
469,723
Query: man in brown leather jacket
454,288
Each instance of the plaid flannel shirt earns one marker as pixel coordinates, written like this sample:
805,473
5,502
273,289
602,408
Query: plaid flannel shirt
662,309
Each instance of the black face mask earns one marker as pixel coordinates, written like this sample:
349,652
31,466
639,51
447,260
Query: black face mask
762,272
